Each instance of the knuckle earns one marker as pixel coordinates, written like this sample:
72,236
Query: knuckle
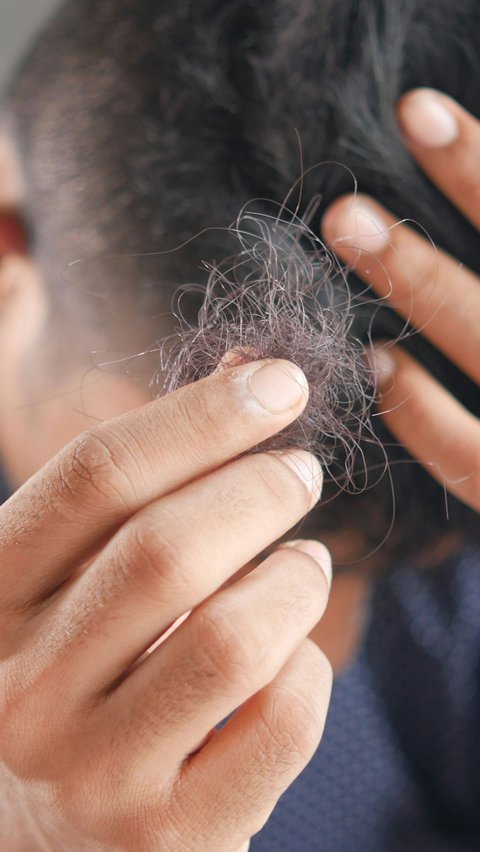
28,727
281,747
153,555
288,732
95,466
176,824
132,812
291,721
99,798
230,657
75,799
285,734
73,796
198,821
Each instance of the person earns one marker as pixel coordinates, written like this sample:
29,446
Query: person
127,130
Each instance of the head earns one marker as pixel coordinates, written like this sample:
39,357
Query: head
132,126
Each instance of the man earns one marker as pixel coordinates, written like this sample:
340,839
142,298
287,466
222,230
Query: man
146,127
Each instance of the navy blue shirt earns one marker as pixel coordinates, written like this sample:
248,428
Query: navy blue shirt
398,768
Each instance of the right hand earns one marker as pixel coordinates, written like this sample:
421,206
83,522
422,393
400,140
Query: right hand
134,523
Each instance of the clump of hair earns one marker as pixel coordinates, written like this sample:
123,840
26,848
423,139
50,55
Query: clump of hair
281,295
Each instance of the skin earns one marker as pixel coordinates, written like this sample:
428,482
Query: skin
125,526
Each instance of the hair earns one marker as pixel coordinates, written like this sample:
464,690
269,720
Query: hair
140,124
281,296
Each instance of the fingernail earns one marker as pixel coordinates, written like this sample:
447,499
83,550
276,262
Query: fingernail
358,226
307,467
317,551
233,358
426,119
278,386
382,365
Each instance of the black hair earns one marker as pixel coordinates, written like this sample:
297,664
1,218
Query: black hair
141,123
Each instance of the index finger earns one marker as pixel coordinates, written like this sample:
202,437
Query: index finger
423,284
77,501
445,141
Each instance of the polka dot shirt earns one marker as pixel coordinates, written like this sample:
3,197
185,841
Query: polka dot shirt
398,768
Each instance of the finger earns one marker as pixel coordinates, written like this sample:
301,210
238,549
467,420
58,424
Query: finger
231,646
67,511
445,141
244,769
445,437
424,285
170,557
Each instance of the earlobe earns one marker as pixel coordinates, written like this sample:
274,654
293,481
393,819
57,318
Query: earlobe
22,294
22,303
13,239
11,277
13,233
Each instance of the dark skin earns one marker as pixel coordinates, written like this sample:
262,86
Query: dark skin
122,531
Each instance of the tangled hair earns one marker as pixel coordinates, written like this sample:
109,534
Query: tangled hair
282,296
139,124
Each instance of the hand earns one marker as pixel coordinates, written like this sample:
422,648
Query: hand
132,525
427,287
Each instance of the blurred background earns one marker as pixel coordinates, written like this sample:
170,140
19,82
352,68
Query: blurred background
19,20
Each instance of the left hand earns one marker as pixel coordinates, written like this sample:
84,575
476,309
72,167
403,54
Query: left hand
427,287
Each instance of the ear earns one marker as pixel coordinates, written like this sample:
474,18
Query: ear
21,292
13,237
11,183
